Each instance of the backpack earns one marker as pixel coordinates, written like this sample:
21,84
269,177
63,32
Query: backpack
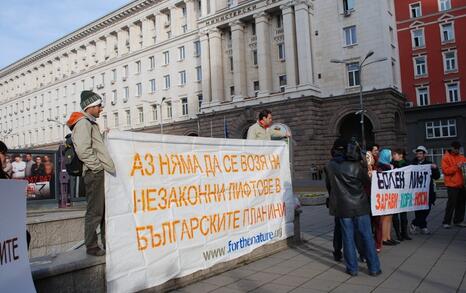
73,165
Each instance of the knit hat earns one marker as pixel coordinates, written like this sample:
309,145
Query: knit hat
340,144
89,99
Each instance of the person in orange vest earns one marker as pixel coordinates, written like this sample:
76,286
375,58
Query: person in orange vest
452,162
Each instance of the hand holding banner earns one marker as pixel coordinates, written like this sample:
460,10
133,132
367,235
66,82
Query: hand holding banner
400,190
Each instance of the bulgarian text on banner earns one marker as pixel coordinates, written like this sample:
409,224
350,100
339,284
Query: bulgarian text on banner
400,190
182,204
15,271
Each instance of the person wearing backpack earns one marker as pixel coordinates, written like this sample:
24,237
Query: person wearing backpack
90,149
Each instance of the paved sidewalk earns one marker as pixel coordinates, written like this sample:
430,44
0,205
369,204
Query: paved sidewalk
432,263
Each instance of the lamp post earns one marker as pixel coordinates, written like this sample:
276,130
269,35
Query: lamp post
361,111
161,113
159,105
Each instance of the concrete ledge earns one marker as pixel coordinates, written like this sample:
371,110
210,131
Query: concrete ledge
73,271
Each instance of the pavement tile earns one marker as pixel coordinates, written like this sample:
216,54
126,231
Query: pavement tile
239,273
352,288
306,272
244,285
221,280
334,274
200,287
427,287
226,290
388,290
292,281
279,269
320,284
296,263
263,264
306,290
364,279
263,277
286,254
275,288
403,281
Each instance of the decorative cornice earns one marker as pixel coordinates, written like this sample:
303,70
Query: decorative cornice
94,27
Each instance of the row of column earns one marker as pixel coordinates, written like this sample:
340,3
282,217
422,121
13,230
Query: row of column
297,39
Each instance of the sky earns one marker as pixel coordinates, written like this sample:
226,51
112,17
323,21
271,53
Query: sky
28,25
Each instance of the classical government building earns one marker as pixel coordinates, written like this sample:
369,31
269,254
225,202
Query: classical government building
205,68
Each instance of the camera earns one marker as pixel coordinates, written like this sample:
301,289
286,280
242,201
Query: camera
354,151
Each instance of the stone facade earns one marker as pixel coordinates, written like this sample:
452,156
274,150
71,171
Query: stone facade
315,123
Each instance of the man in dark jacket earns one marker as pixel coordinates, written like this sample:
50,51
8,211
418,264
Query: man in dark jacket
419,223
345,178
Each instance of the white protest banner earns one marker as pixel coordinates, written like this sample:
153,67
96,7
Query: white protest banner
180,204
400,190
15,271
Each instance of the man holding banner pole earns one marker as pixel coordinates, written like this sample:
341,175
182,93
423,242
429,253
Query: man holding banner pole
345,178
419,223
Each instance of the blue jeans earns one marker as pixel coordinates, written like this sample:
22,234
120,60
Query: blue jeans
362,225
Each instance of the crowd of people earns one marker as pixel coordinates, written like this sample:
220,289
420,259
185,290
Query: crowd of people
37,169
21,166
348,180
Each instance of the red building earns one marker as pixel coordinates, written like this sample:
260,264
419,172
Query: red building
432,43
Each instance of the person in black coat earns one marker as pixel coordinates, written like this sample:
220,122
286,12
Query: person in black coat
345,179
419,224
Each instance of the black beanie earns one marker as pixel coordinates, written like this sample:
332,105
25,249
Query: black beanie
88,98
340,144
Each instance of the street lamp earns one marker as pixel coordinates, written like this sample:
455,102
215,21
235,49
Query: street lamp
361,111
159,105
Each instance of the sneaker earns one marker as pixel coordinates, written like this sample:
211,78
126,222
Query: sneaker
352,274
388,243
395,241
461,225
425,231
413,229
446,226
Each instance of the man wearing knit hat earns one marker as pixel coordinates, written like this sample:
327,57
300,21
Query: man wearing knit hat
89,145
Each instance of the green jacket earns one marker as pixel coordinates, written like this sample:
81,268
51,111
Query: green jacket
89,143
